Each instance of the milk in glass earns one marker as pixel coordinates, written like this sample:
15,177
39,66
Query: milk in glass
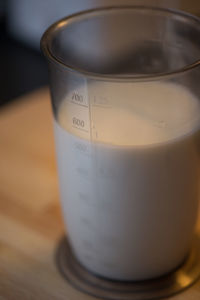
129,177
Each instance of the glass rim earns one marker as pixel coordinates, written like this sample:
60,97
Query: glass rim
48,34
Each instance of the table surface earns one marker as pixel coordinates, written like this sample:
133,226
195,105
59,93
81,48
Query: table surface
30,218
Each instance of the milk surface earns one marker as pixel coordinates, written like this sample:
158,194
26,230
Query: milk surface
129,176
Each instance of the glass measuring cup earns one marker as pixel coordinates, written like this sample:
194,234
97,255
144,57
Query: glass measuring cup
125,93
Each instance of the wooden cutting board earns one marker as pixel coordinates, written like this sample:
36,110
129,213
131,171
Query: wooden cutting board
30,217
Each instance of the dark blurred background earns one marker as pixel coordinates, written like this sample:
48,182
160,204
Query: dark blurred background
22,68
22,22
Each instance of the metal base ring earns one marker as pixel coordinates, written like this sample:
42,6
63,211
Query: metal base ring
158,288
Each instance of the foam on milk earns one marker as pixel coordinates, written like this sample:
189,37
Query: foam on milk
130,196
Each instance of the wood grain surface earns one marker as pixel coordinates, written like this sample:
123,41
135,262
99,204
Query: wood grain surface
30,218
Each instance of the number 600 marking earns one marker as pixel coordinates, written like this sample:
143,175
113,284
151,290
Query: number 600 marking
78,122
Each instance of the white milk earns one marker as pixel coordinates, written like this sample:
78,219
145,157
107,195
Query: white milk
129,197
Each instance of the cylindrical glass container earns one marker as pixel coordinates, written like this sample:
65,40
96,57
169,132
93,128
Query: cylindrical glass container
125,93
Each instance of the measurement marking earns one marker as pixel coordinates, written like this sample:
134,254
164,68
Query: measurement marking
83,149
87,244
83,172
80,128
79,104
83,196
101,105
86,222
